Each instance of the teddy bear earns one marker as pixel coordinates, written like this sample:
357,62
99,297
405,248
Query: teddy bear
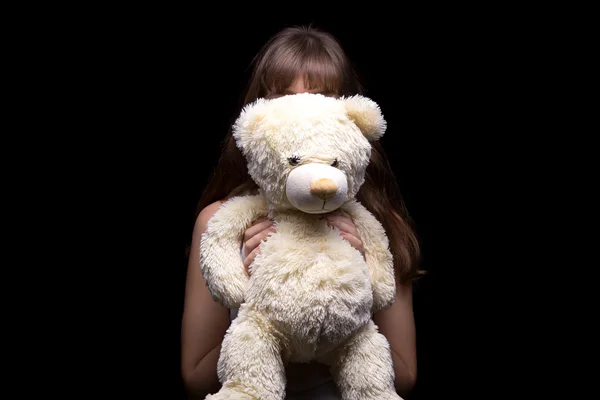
309,295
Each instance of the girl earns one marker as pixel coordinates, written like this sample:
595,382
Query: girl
297,60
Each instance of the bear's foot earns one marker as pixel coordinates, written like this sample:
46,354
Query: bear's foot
363,369
372,395
389,395
230,394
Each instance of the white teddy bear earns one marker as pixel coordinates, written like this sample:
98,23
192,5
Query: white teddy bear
310,294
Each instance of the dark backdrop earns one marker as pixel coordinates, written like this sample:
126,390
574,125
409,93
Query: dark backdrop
143,95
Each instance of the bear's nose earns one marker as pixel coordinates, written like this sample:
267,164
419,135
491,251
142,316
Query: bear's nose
324,188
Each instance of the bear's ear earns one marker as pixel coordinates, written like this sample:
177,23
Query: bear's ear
245,125
366,114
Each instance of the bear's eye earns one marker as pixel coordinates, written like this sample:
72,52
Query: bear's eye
334,163
294,160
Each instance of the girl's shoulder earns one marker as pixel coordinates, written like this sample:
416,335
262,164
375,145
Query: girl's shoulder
206,213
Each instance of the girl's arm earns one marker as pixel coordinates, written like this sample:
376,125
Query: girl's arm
397,324
204,321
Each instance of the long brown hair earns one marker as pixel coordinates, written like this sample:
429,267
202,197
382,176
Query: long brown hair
319,57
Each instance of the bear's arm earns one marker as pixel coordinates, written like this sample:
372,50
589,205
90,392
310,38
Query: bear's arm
220,258
377,254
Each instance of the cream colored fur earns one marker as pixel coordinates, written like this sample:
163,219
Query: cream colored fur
310,294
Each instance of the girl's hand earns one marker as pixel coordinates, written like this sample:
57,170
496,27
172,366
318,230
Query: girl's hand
263,227
258,231
348,230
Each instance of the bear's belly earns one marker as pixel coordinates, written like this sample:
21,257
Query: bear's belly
316,292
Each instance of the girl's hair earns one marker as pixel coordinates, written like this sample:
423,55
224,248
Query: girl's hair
319,57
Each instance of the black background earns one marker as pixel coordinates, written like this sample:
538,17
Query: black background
115,121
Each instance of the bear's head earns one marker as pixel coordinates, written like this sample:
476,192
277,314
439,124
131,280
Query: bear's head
308,151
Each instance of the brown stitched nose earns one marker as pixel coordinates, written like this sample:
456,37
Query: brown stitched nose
324,188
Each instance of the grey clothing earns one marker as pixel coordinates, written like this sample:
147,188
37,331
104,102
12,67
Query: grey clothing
325,391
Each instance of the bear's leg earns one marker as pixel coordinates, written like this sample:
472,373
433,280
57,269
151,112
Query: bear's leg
250,364
363,367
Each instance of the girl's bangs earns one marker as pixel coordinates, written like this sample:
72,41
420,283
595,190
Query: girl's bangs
318,74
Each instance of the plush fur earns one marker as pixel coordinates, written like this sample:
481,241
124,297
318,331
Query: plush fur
310,294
